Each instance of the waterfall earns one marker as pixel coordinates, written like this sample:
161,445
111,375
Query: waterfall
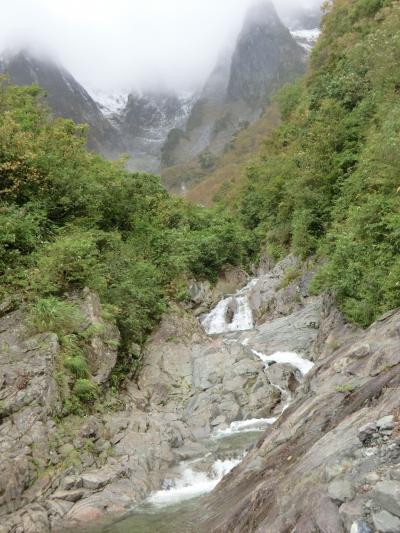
290,358
191,483
233,313
226,445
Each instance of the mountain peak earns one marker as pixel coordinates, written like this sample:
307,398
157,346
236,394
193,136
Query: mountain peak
265,56
261,14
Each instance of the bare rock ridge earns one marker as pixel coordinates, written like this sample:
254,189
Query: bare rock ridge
65,96
265,57
146,122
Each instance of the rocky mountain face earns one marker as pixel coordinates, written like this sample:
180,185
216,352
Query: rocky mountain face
145,123
160,129
321,399
65,96
266,55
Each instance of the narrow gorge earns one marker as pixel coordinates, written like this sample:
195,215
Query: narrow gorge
279,392
224,359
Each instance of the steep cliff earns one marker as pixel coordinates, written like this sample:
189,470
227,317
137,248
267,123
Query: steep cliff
145,123
265,56
65,96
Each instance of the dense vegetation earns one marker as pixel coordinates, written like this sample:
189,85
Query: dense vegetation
327,184
70,219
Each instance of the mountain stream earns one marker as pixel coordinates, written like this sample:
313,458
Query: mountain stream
170,509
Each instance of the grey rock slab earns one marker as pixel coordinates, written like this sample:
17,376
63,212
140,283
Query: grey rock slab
69,495
367,431
341,490
71,482
385,423
350,512
387,495
99,478
385,522
293,333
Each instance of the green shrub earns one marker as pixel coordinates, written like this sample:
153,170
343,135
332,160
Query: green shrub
53,314
77,365
85,390
289,276
72,260
328,179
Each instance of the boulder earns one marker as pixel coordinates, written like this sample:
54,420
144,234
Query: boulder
387,495
385,423
341,491
366,432
99,478
385,522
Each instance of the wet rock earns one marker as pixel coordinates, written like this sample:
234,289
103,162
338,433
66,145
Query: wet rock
350,512
385,522
385,423
284,376
387,495
189,451
359,526
366,432
69,495
231,310
341,491
71,482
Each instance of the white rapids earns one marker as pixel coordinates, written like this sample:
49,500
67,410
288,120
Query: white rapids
217,321
192,483
233,313
244,426
290,358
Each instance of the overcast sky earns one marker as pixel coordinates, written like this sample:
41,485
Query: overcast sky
114,44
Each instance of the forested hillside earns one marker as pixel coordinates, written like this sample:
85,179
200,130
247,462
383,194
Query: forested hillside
327,184
70,219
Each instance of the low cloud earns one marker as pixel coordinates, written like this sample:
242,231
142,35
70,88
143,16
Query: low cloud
115,44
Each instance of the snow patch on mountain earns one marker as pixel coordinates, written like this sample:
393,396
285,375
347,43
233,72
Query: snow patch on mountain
306,38
110,104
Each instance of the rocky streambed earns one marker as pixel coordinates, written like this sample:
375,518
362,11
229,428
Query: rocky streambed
266,413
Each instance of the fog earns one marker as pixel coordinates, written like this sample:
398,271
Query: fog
119,44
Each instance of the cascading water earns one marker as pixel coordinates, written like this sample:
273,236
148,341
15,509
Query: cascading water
192,483
289,358
233,313
169,510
